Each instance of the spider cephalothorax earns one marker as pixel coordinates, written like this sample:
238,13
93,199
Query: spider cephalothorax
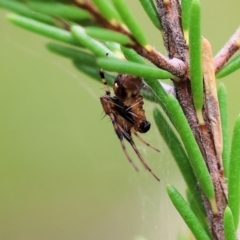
126,112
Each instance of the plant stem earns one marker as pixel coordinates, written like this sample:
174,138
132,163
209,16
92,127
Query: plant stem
176,46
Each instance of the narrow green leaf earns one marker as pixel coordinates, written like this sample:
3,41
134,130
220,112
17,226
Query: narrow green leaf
196,54
159,94
149,94
152,13
107,10
93,72
136,69
194,154
43,29
198,209
234,174
80,56
187,214
229,229
178,153
230,67
107,35
131,23
23,10
186,7
131,55
60,10
114,47
86,63
94,46
222,99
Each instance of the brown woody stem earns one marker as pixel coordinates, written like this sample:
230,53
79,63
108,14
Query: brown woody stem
169,12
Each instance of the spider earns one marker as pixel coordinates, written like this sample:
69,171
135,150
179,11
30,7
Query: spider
126,112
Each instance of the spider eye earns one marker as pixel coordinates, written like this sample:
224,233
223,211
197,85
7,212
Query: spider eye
144,127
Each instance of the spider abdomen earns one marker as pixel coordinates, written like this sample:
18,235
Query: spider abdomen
144,126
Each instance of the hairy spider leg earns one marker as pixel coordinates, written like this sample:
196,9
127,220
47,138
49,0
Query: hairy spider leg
104,81
121,133
130,140
133,105
143,141
114,122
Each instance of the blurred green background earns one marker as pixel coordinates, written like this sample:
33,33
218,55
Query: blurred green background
63,174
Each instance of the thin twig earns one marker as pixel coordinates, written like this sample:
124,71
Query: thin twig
175,66
229,49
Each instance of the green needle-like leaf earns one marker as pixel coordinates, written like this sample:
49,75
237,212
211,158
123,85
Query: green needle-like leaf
107,10
131,55
152,13
93,72
222,99
187,214
195,54
178,153
43,29
194,154
131,23
186,9
198,209
234,174
114,47
136,69
229,229
80,56
230,67
96,47
86,63
159,94
176,148
60,10
107,35
23,10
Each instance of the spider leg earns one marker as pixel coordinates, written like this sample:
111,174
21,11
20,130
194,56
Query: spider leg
130,140
103,116
143,141
120,133
133,105
143,161
104,81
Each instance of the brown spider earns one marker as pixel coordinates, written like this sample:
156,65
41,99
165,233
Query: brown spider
126,112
